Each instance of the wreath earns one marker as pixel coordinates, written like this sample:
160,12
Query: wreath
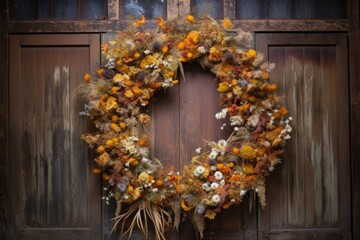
141,61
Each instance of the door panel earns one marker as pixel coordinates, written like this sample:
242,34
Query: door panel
308,195
184,118
54,193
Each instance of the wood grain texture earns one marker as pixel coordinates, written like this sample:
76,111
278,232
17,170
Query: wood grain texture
230,9
312,79
113,9
50,170
4,124
172,9
265,25
354,70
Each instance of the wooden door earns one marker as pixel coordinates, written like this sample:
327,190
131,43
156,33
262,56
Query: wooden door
184,118
308,196
54,194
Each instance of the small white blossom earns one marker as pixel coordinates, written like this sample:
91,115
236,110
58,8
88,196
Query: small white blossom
218,175
213,154
222,182
222,144
201,49
221,114
155,190
287,137
198,150
214,185
216,198
213,168
242,193
146,51
199,170
206,187
236,121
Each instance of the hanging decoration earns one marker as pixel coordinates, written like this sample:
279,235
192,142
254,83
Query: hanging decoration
141,61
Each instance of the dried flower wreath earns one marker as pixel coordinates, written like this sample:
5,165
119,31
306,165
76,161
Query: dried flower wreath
141,61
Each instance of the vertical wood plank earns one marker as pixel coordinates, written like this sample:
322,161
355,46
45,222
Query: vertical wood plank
14,123
113,9
4,123
27,145
330,137
354,74
296,166
313,169
172,9
184,7
230,9
276,199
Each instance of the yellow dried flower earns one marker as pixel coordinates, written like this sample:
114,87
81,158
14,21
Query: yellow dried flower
252,53
137,55
143,178
87,77
129,93
100,71
210,214
248,168
140,21
165,49
161,22
100,149
136,193
227,23
109,143
184,206
247,152
190,18
223,87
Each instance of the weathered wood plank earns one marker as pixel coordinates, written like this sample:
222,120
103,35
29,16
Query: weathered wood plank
56,194
230,9
4,123
113,9
331,154
97,26
277,199
354,74
316,88
172,9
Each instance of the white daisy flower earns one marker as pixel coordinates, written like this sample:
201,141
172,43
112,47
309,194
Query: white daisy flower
213,154
214,185
218,175
216,198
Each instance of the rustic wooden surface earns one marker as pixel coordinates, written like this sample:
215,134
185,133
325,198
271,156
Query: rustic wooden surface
4,123
313,185
50,169
276,25
354,69
184,118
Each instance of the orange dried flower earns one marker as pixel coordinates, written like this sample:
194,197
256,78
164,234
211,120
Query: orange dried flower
190,18
96,170
100,149
87,77
100,71
106,177
161,22
227,23
140,21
